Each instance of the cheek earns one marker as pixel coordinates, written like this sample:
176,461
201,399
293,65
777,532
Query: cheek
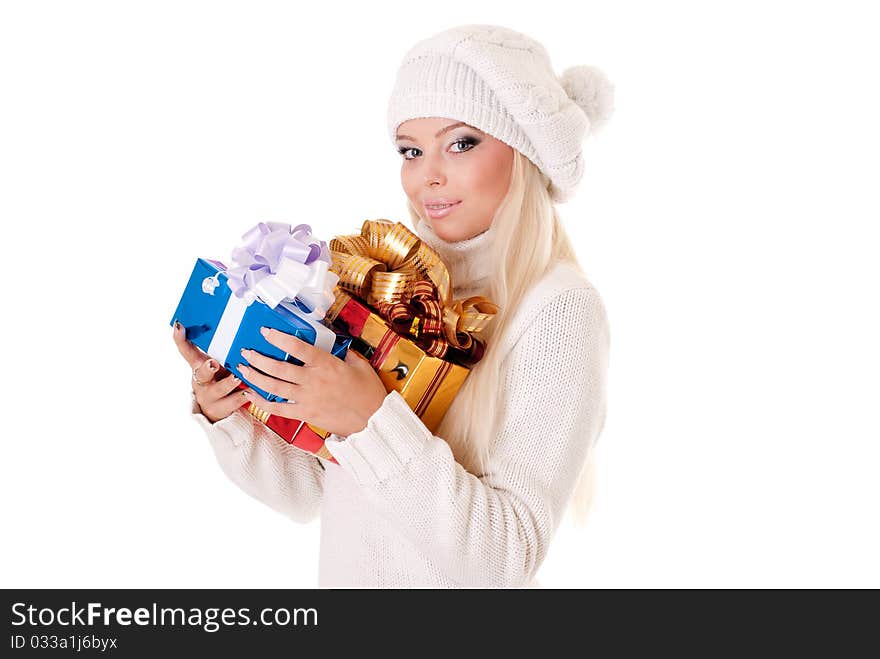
487,177
409,181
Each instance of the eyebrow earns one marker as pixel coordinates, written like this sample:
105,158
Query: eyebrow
438,134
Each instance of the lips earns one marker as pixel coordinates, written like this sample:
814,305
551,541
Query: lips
437,210
437,204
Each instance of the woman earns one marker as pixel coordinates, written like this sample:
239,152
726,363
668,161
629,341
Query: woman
490,139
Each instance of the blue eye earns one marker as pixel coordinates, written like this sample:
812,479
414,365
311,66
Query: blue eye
469,142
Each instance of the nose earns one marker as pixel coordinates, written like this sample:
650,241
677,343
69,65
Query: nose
434,172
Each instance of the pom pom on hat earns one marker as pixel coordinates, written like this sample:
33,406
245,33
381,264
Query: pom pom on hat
591,90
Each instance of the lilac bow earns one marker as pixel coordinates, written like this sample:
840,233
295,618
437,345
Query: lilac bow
278,263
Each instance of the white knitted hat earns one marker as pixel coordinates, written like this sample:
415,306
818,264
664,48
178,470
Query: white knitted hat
502,82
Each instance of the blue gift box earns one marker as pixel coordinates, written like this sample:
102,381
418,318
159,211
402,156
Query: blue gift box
221,324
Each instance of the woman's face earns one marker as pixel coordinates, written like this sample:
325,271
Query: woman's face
450,161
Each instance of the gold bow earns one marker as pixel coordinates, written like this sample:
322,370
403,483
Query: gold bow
408,284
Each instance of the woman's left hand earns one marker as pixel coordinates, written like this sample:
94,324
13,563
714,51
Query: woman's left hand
338,396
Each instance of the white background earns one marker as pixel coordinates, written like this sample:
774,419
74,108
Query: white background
728,216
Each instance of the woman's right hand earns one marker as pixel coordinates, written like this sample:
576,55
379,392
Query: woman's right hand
214,387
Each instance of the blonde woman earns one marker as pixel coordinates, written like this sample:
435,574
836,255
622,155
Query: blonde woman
490,140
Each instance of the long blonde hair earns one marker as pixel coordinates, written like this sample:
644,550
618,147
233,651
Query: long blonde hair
529,240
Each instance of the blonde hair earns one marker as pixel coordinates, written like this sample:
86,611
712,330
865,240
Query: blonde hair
529,240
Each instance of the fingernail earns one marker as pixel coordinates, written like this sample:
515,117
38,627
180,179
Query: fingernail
177,325
242,367
264,331
245,351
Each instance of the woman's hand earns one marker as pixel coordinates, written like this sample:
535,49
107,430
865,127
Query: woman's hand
213,386
338,396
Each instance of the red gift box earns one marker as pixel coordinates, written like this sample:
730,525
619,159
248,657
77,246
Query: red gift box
302,435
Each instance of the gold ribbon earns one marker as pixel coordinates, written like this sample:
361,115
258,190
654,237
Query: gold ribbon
408,284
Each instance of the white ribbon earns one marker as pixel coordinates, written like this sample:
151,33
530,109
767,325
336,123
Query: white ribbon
277,264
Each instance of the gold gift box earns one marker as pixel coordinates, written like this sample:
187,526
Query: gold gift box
428,384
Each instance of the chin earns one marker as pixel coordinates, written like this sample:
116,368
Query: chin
449,234
452,231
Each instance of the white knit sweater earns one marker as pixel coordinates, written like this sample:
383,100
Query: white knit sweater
398,511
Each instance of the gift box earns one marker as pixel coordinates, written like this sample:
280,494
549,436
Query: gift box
394,298
221,323
304,436
428,384
280,279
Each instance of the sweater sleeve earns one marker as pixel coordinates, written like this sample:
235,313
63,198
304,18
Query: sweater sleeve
494,530
263,465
